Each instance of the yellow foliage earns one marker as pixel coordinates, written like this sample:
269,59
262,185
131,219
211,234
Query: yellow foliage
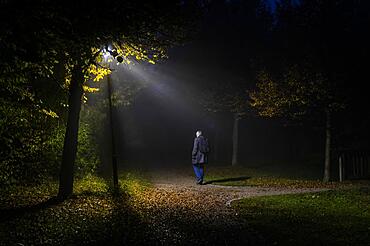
98,73
90,89
68,76
268,98
130,51
50,113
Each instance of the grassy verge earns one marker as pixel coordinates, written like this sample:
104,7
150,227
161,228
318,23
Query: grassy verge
92,216
340,217
231,176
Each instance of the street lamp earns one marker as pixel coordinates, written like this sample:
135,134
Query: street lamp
106,54
114,155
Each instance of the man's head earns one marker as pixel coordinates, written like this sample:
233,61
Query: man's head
198,133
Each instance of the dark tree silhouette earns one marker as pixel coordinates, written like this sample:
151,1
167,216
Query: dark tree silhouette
318,55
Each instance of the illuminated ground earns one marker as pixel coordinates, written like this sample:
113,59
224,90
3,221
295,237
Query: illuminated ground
168,208
182,210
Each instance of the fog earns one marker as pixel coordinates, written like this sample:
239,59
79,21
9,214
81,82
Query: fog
157,129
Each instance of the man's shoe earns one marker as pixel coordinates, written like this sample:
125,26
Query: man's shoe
200,182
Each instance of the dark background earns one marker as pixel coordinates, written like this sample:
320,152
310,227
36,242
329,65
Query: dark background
158,128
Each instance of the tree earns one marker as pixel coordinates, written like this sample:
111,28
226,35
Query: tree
227,97
243,27
296,94
320,41
74,34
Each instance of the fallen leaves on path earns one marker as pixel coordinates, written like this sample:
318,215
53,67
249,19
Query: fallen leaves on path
174,212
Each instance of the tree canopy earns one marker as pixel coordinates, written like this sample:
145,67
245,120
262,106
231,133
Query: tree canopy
60,43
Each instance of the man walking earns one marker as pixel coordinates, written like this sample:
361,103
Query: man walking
199,156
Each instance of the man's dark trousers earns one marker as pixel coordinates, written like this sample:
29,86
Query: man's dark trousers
199,172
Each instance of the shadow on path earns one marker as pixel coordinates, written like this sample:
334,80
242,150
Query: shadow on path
227,180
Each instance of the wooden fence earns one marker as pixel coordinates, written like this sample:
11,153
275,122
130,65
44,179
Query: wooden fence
354,164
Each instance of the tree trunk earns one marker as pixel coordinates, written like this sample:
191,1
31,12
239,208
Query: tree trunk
327,146
71,136
235,140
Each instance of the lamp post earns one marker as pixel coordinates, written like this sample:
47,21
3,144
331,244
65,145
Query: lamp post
113,145
106,55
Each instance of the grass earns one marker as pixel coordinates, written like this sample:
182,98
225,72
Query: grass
266,177
92,216
340,217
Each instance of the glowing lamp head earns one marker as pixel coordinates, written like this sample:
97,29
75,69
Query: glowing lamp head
106,54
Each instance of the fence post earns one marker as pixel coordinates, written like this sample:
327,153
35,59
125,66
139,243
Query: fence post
362,165
340,169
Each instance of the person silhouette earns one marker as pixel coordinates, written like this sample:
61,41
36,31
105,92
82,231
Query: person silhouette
199,156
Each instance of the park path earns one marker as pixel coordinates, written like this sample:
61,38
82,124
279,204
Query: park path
184,184
181,212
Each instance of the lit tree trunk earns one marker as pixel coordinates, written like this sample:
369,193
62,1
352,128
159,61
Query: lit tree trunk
235,140
71,136
327,146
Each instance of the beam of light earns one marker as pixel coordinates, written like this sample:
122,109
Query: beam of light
169,94
171,90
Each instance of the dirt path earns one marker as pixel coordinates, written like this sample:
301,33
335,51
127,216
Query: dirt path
181,212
